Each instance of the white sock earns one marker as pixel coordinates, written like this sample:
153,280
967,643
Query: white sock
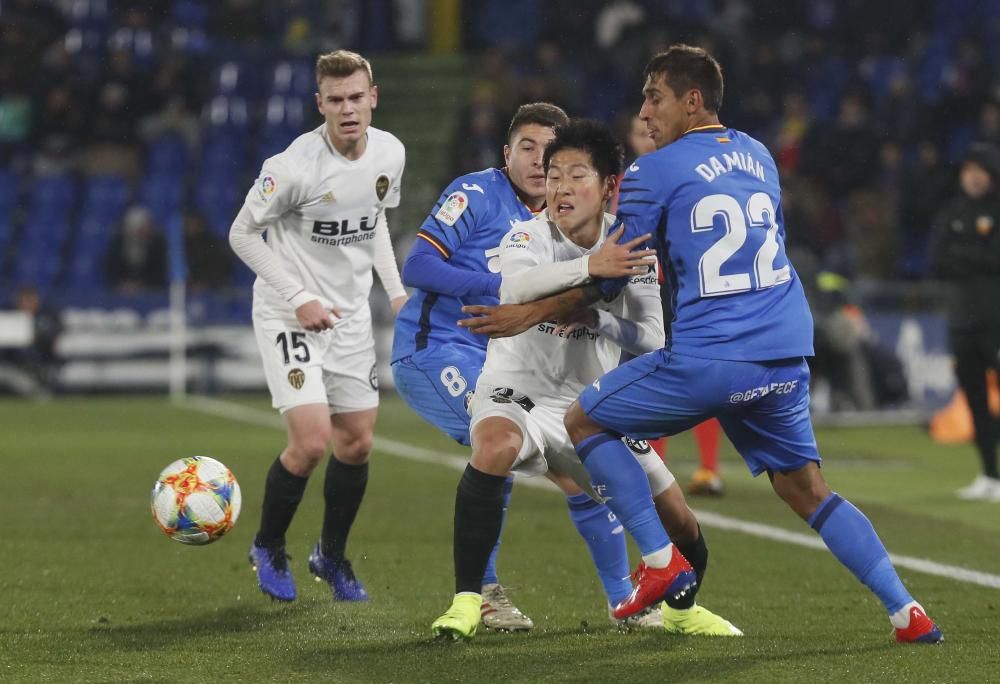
901,618
659,559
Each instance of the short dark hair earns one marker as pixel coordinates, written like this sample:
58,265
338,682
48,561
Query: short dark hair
686,67
541,113
594,138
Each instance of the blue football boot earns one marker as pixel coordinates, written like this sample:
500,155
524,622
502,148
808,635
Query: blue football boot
273,576
337,572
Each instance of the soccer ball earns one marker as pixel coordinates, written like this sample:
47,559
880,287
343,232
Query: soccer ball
196,500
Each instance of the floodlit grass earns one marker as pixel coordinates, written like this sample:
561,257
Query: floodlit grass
92,591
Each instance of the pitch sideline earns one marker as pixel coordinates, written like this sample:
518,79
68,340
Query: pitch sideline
393,447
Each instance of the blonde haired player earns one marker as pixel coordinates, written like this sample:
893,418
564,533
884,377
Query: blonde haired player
322,202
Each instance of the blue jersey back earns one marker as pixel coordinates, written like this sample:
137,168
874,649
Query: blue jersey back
713,202
466,227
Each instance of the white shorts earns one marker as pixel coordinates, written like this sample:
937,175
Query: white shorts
335,367
546,444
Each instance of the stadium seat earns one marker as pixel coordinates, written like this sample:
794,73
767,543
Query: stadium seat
236,79
53,197
9,185
88,43
105,196
284,118
167,154
87,14
164,195
218,198
190,13
293,78
136,41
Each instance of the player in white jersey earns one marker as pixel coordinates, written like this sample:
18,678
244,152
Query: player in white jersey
322,202
530,380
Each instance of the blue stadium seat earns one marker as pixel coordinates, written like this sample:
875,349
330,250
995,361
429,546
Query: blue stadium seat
136,41
87,43
219,198
9,185
53,197
163,194
38,263
167,154
105,196
295,78
284,118
236,78
88,14
190,13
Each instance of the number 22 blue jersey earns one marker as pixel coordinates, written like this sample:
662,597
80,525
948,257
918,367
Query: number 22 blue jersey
712,201
466,227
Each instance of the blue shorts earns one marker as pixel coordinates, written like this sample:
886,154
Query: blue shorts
762,405
439,383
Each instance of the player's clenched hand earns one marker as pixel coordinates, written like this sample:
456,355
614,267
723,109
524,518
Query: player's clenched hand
504,320
580,318
397,304
314,317
613,260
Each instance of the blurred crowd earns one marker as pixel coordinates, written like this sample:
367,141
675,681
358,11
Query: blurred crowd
866,106
121,118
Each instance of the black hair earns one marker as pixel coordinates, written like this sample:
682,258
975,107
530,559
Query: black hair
541,113
594,138
686,67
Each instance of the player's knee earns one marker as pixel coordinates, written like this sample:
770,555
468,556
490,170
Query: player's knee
803,490
578,424
495,447
357,449
305,453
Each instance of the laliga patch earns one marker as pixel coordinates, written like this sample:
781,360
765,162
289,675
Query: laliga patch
452,208
266,187
519,240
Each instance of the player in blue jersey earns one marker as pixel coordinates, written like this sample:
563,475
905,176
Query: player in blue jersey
436,364
739,332
741,327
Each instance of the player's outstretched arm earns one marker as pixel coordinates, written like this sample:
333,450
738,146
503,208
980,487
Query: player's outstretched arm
507,320
611,260
427,269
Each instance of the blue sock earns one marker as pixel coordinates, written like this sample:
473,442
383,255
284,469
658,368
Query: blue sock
597,525
490,576
619,478
852,539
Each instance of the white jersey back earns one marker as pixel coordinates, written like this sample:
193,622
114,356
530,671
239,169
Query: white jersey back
548,367
321,209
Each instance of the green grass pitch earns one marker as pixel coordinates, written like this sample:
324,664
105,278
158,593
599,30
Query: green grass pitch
92,591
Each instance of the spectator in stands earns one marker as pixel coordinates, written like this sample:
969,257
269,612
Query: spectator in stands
966,251
926,187
32,370
209,260
137,258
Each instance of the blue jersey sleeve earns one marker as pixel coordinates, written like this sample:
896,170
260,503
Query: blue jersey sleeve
427,269
640,208
458,211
